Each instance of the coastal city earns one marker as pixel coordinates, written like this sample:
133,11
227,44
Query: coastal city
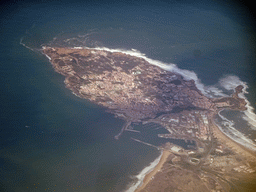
138,92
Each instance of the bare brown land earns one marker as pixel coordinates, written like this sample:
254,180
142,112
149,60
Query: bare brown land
151,175
224,139
141,93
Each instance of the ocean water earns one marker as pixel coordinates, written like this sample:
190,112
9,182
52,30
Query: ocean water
52,140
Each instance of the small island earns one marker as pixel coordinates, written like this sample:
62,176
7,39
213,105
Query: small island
138,92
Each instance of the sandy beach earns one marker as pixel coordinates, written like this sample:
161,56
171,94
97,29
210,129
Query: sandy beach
219,135
231,143
148,177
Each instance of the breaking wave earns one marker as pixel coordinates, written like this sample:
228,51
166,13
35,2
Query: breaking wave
225,85
140,177
223,88
228,128
188,75
228,83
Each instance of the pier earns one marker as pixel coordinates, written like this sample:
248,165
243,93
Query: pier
125,126
145,143
132,130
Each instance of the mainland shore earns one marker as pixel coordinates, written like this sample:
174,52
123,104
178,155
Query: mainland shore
238,148
151,174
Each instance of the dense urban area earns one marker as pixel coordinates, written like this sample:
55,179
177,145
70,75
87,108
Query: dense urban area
138,92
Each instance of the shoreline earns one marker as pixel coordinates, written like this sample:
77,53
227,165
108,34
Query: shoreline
245,141
238,148
152,173
217,132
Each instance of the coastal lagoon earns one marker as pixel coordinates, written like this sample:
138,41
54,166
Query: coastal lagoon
52,140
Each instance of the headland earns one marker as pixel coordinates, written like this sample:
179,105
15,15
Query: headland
136,91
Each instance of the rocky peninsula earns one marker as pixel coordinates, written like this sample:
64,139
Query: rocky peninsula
139,92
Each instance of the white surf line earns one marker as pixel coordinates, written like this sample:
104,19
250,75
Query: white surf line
210,91
214,92
247,145
140,177
249,116
236,135
188,75
230,83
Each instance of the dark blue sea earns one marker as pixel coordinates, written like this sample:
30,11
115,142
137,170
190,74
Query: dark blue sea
51,140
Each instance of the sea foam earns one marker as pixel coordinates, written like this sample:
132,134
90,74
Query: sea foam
140,177
234,134
188,75
228,83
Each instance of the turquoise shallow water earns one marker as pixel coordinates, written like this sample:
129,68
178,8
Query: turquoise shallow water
52,139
